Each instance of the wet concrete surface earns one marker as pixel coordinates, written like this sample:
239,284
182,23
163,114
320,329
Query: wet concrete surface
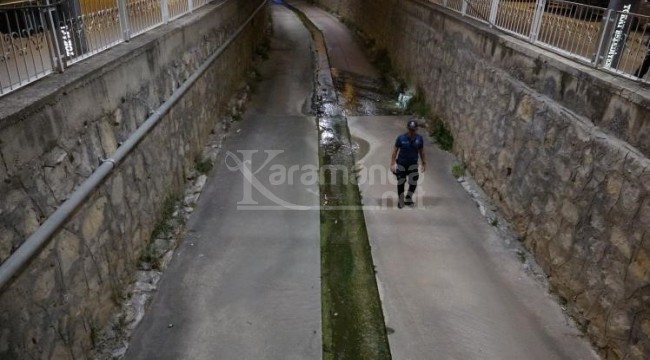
245,282
364,95
360,88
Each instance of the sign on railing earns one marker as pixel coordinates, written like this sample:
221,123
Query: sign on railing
41,36
619,30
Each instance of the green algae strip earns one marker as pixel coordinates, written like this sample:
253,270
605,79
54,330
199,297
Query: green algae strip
353,321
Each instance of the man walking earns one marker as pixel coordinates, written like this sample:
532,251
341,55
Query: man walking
404,162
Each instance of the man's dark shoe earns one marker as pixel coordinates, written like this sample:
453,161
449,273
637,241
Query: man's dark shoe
400,202
409,201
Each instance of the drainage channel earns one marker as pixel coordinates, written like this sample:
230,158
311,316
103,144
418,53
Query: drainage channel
353,321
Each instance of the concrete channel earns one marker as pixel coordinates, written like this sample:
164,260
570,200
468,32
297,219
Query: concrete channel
351,276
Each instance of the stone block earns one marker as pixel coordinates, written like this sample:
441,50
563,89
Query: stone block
93,219
639,269
117,192
4,340
619,325
621,241
60,180
562,168
55,157
68,251
60,351
526,109
4,175
570,212
118,116
558,255
44,284
629,198
30,221
107,138
7,240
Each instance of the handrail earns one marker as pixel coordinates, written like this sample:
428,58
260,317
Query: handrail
34,243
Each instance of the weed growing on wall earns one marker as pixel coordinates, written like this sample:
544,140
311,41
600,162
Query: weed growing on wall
262,50
458,170
166,213
442,135
163,227
418,106
203,166
383,63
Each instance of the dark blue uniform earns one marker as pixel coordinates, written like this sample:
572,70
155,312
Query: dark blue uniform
409,149
407,163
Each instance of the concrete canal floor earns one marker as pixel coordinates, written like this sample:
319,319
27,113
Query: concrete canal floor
246,280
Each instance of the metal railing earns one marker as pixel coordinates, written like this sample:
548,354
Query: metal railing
25,45
43,36
616,41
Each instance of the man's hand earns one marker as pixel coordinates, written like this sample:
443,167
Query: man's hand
424,167
393,168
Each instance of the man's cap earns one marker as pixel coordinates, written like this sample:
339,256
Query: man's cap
412,124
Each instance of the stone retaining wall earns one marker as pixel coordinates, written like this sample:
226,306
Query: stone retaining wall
561,148
53,134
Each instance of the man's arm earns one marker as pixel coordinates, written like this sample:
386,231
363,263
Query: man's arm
424,160
393,157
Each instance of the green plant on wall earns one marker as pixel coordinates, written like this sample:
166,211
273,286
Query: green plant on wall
418,106
458,170
383,63
442,135
203,166
161,228
262,50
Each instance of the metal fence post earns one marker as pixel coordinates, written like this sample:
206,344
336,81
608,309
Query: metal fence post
123,12
165,11
57,58
494,8
463,7
190,5
604,31
537,20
